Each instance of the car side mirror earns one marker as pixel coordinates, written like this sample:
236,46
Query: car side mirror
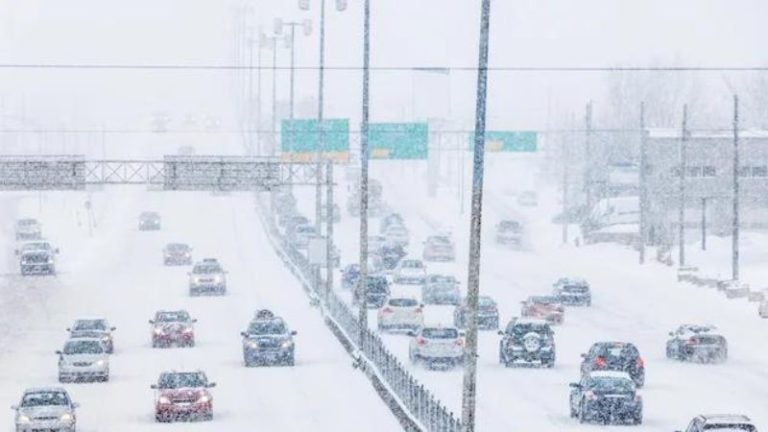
153,386
421,305
69,329
113,328
58,352
243,334
411,333
57,250
211,385
14,407
294,333
671,334
75,405
151,321
500,333
194,320
583,355
575,385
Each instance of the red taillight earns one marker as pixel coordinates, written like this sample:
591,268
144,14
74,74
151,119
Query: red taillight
590,395
460,342
387,310
690,341
421,341
640,362
600,363
418,310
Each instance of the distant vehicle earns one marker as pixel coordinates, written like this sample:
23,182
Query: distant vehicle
90,327
349,277
173,328
392,219
614,356
300,236
207,277
183,396
439,248
397,234
441,290
410,271
389,254
401,313
177,254
487,314
722,423
762,310
509,232
336,213
267,341
376,242
28,229
291,221
734,288
527,342
37,258
573,292
376,292
606,397
547,308
614,220
436,346
528,199
701,343
83,359
45,409
149,221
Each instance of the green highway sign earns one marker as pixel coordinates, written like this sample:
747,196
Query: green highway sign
398,140
508,141
299,139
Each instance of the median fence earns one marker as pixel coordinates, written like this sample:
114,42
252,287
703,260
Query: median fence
416,408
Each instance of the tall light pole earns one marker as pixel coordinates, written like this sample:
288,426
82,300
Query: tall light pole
469,392
364,155
306,27
735,227
643,184
681,197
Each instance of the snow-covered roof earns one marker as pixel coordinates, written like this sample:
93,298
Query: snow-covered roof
45,389
712,134
610,374
726,418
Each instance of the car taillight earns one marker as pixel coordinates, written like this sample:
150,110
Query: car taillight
418,310
387,310
638,398
640,363
590,395
421,341
600,363
690,341
459,342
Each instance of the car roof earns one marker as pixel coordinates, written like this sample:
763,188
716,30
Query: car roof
45,390
610,374
726,418
439,327
88,319
402,298
530,321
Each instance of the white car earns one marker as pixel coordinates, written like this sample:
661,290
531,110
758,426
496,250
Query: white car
376,242
45,409
401,313
94,328
436,346
397,234
206,277
301,235
28,229
410,271
734,289
83,359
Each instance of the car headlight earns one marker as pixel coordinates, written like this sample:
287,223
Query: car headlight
196,279
217,279
50,260
163,400
253,344
188,330
287,344
66,417
106,339
23,419
204,399
158,331
100,363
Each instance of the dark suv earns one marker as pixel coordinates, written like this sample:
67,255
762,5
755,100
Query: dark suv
376,292
527,342
721,422
614,356
487,314
267,341
701,343
606,397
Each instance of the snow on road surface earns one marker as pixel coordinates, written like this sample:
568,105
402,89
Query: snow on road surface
118,273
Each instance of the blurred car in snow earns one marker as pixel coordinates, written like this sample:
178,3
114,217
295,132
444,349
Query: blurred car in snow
400,313
397,234
439,248
528,198
292,220
573,292
149,221
376,292
734,288
300,236
389,255
268,341
606,397
527,342
83,359
45,409
614,356
391,219
721,422
547,308
440,290
375,243
90,327
487,314
509,232
171,328
177,254
183,396
37,257
350,274
207,276
436,346
762,310
410,271
28,229
336,213
691,342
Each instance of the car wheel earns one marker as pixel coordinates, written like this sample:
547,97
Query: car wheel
291,361
670,353
191,344
582,413
573,412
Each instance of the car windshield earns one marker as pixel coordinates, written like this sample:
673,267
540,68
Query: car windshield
577,289
181,380
90,325
83,347
617,350
376,284
523,329
544,300
440,333
610,384
179,316
305,229
36,257
264,327
96,334
27,222
730,428
509,226
402,302
486,302
207,268
437,279
36,246
45,398
149,215
177,247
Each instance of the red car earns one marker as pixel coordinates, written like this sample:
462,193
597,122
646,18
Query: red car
173,328
547,308
183,396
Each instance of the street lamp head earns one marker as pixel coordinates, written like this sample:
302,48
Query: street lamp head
307,27
341,5
304,4
278,26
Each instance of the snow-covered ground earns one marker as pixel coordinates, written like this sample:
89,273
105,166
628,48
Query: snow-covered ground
633,303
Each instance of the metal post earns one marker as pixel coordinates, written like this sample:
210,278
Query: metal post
329,227
273,128
258,99
249,108
643,185
364,155
588,156
681,196
320,90
565,188
704,224
293,70
469,392
735,228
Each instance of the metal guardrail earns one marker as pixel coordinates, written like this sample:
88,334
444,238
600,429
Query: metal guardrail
372,355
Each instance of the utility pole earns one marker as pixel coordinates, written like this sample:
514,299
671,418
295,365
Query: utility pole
258,98
249,110
588,156
364,155
735,229
329,226
320,144
681,184
273,124
563,156
469,391
704,224
643,184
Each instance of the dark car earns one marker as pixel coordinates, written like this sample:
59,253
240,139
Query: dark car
547,308
349,276
722,423
487,314
509,232
527,342
183,396
701,343
149,221
606,397
614,356
177,254
267,341
440,290
376,292
173,328
573,292
390,253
